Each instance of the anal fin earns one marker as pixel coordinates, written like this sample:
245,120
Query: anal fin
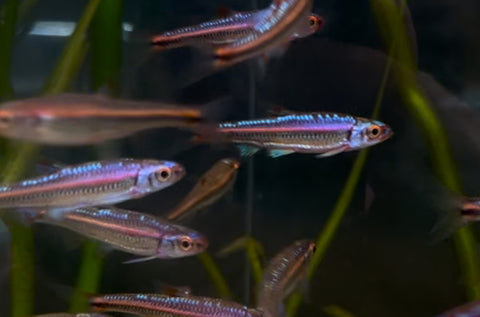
277,153
247,150
138,260
331,152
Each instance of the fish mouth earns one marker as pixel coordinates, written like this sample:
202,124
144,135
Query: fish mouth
201,243
387,132
178,171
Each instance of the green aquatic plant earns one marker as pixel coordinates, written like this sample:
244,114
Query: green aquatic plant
343,201
88,280
106,40
254,251
18,158
215,275
8,20
390,20
336,311
106,60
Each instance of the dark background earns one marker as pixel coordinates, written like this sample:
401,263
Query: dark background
383,261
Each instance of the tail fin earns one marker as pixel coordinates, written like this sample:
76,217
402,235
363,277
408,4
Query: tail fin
217,110
451,217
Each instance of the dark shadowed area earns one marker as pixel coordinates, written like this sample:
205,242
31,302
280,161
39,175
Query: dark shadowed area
383,261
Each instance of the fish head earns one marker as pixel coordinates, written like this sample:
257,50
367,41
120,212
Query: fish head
308,26
368,132
12,117
156,175
185,242
231,163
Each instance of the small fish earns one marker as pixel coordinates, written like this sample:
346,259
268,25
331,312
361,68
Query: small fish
283,19
455,211
282,276
91,184
82,119
72,315
170,306
132,232
471,309
470,209
215,33
211,187
319,133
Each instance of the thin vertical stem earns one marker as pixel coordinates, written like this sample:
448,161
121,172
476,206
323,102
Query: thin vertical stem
343,201
22,272
215,275
89,275
8,20
68,64
106,49
106,39
23,260
250,187
389,18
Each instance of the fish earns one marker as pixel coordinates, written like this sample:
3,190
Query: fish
455,211
130,231
72,315
84,119
321,133
211,186
270,36
170,306
283,19
282,275
471,309
91,184
218,32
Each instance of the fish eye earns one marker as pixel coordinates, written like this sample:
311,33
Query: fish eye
373,131
186,244
163,175
312,21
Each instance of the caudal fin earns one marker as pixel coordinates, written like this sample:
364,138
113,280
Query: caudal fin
451,217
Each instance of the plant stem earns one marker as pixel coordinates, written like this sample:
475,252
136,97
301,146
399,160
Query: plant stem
390,20
22,272
88,278
23,260
8,20
106,41
343,202
70,60
215,275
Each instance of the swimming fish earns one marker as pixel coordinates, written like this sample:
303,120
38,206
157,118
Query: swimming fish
282,276
283,19
319,133
210,187
91,184
131,231
218,32
170,306
82,119
471,309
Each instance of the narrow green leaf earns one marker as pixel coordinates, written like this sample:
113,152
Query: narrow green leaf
8,20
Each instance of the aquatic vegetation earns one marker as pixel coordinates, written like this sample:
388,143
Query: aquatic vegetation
389,18
321,133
